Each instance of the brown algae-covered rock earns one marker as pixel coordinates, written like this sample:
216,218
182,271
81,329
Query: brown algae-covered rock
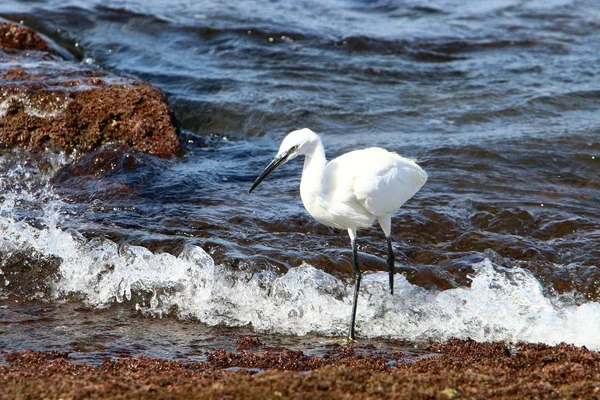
13,36
462,369
46,101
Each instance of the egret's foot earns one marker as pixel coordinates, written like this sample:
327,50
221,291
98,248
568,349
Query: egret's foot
349,340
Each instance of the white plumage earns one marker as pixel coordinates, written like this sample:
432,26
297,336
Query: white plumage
351,191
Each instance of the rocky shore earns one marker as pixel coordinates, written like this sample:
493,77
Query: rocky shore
47,101
455,369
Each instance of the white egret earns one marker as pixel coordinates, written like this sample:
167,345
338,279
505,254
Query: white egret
351,191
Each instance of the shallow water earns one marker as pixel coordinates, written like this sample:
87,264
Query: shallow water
498,101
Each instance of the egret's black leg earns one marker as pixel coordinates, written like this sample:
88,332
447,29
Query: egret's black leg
391,263
357,277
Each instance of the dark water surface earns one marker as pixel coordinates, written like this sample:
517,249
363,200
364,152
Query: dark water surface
499,101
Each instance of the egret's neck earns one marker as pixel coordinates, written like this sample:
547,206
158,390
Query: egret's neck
312,175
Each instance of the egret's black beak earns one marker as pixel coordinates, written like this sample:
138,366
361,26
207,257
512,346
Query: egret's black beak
273,165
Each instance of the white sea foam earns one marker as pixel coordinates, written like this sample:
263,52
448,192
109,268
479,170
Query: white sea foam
500,304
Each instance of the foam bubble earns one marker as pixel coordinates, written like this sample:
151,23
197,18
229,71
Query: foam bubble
46,108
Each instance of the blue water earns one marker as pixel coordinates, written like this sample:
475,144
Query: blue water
499,101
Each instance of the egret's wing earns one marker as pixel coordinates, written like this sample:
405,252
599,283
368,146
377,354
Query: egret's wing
385,181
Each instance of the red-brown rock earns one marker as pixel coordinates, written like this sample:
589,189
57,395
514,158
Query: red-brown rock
14,36
59,104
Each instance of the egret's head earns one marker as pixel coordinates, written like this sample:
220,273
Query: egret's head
302,141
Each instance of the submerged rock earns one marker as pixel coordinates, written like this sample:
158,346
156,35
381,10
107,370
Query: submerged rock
27,274
47,101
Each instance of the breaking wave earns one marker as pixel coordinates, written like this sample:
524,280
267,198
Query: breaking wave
500,304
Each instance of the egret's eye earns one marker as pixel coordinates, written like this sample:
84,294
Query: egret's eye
294,148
